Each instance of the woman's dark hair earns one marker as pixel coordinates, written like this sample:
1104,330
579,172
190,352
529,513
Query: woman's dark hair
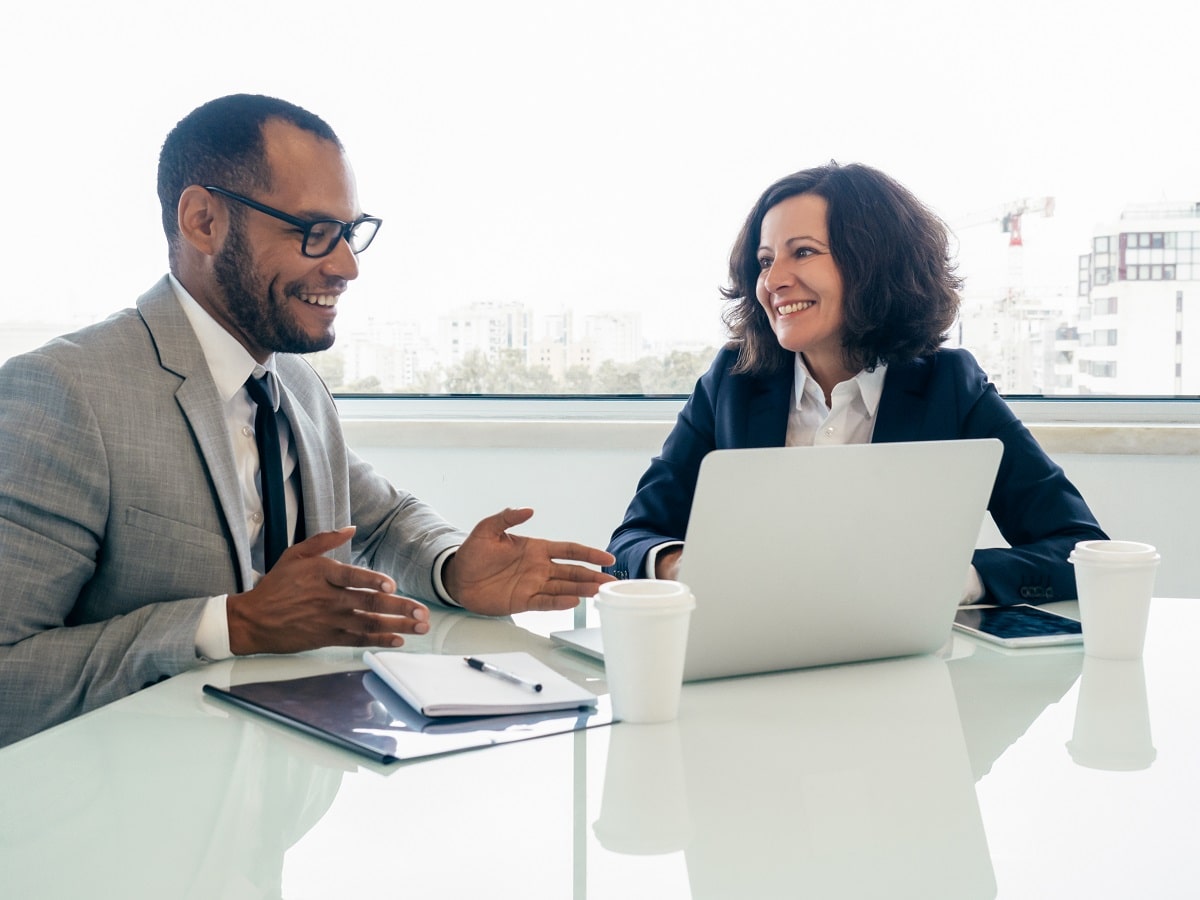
900,290
222,143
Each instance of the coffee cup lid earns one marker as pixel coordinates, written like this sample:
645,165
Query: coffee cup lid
1118,553
646,594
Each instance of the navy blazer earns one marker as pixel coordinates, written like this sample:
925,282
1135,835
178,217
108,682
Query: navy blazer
943,396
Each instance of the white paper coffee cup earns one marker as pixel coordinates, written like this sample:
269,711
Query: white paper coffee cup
644,623
1115,581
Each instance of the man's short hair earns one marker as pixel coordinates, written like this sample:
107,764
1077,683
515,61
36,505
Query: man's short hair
222,143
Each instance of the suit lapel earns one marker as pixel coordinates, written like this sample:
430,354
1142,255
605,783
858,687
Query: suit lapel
903,405
767,410
179,352
316,502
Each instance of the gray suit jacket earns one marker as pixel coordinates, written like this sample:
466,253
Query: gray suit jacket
120,511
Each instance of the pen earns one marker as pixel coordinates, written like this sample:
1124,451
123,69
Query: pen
500,673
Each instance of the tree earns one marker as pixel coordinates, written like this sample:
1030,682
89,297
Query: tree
577,380
468,375
507,374
613,378
679,371
369,385
331,366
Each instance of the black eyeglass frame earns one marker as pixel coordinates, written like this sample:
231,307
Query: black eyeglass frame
345,229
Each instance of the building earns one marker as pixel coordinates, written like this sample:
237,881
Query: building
394,356
487,327
1021,340
615,336
1139,314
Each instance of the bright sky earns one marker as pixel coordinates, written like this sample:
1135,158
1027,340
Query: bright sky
595,155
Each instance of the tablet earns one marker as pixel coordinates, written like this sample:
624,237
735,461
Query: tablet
1018,626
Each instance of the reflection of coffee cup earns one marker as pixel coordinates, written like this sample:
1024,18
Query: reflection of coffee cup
1112,718
644,625
644,807
1115,580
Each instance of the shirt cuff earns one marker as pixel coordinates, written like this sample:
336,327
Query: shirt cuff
652,556
439,586
212,634
973,590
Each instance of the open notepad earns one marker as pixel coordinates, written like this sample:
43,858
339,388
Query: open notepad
437,685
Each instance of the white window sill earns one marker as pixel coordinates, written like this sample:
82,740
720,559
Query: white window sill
1124,427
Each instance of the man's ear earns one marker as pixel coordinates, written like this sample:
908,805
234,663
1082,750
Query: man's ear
203,219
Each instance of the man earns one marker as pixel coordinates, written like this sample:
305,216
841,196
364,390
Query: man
135,542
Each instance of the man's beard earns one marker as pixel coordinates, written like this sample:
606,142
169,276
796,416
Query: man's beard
258,310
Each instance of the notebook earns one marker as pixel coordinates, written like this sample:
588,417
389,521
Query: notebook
810,556
445,685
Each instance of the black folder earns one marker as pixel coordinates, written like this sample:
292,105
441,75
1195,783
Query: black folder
358,712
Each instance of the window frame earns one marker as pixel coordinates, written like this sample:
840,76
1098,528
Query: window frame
1031,409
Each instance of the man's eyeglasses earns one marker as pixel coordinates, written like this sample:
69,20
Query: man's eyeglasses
321,236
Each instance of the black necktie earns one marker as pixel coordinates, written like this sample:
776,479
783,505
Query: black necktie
270,464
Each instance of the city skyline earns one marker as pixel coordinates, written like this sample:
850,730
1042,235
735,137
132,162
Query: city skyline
512,160
1027,338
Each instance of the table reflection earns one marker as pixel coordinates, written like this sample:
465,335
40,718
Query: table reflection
861,769
1000,692
1112,717
218,798
644,808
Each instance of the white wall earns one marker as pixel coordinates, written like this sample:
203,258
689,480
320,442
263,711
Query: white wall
580,476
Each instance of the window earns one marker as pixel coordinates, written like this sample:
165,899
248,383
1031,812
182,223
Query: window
1098,368
560,183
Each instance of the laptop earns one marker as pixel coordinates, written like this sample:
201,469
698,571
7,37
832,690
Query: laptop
812,556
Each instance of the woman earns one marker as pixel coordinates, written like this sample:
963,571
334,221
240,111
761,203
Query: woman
841,293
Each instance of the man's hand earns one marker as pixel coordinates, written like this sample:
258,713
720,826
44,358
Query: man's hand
496,573
308,600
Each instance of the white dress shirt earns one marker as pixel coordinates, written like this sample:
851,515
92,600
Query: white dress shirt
850,417
230,365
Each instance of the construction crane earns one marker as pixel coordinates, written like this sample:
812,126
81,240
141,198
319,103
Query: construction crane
1002,348
1009,216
